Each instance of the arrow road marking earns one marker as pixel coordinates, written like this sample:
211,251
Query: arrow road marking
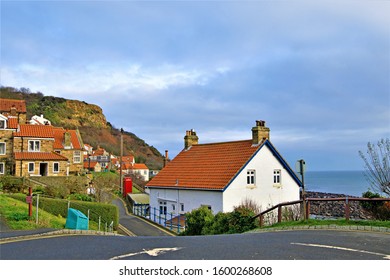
153,252
343,248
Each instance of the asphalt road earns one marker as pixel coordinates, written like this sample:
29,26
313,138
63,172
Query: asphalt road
283,245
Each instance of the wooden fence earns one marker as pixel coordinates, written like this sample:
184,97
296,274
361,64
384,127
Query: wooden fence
308,201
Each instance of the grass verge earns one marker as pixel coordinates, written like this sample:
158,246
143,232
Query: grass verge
15,213
338,222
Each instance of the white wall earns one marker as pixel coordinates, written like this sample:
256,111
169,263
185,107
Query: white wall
264,192
191,199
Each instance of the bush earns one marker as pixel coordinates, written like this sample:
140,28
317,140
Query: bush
11,184
241,220
197,220
201,221
380,209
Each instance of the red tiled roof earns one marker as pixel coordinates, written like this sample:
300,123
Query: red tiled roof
205,166
38,156
59,136
134,166
30,130
12,123
90,164
7,104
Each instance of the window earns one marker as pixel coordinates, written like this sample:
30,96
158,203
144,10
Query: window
76,157
250,177
31,167
56,167
173,207
2,148
2,124
163,207
182,207
277,176
1,168
34,145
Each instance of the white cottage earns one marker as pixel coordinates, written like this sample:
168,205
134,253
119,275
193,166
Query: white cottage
223,175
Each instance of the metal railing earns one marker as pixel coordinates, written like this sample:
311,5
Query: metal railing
175,223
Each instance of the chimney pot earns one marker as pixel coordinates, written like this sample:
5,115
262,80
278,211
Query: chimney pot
190,139
260,132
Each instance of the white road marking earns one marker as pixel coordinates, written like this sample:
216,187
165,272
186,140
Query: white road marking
342,248
153,252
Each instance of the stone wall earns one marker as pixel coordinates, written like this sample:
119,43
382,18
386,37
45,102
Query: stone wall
336,209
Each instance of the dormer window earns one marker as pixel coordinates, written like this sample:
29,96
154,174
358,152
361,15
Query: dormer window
34,145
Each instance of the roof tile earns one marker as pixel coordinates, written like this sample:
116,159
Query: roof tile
205,166
39,156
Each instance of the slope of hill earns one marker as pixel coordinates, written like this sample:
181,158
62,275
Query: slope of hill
91,122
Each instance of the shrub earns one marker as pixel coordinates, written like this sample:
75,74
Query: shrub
369,205
241,220
201,221
197,220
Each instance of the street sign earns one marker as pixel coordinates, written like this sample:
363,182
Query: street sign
29,199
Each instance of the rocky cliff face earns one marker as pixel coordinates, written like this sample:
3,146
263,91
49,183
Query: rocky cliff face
84,114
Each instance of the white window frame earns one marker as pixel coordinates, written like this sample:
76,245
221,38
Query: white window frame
251,177
77,158
36,146
5,148
58,167
5,124
33,167
163,207
2,168
277,177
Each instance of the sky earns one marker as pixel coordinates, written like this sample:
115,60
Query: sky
318,72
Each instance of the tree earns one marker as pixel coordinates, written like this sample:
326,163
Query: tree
377,164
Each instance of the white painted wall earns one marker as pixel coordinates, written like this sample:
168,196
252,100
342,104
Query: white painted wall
191,199
265,193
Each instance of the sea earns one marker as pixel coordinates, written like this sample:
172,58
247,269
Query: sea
352,183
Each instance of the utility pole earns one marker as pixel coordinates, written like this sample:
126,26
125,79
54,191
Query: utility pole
120,164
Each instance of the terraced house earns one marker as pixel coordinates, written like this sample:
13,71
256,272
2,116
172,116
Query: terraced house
36,150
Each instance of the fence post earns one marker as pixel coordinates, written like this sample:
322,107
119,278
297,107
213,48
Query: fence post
347,208
307,214
178,224
99,223
261,220
37,207
279,214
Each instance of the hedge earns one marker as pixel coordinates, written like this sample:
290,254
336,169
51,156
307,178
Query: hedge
107,212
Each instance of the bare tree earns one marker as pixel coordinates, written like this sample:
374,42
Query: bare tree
377,164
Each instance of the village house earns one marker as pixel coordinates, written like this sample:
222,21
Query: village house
224,175
37,148
137,169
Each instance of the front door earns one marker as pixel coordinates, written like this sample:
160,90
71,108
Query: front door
43,169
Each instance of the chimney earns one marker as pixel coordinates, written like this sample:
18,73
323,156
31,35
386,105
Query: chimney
13,111
67,140
259,133
190,139
166,158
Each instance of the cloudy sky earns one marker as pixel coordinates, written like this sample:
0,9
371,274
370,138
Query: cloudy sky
318,72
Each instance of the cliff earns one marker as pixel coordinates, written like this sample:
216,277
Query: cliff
91,122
